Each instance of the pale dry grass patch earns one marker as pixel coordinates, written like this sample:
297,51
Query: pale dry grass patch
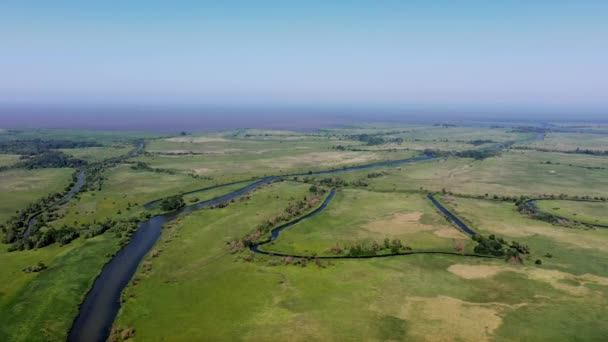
196,139
444,318
398,223
315,159
554,278
450,233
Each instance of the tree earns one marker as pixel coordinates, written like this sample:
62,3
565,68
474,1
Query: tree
172,203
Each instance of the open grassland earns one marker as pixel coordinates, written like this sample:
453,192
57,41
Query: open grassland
194,289
41,306
18,188
360,215
96,154
244,166
586,212
511,173
571,142
8,159
212,145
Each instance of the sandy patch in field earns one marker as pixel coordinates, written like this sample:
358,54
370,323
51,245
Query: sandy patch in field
552,277
476,271
450,233
202,170
445,318
196,139
398,223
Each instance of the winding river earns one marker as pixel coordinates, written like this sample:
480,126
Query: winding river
102,302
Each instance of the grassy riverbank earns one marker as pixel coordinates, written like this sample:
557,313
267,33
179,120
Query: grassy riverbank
586,212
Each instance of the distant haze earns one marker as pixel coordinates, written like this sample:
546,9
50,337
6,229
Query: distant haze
173,118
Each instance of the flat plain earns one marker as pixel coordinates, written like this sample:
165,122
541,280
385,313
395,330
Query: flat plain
378,261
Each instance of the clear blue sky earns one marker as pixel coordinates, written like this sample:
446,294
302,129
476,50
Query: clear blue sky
473,52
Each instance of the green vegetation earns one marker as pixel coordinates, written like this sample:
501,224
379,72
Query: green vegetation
523,275
398,298
172,203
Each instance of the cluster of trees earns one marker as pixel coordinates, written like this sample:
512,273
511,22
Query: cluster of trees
572,165
289,260
497,246
376,174
478,142
32,147
172,203
369,248
44,238
40,266
521,199
333,182
146,167
50,159
369,139
478,154
529,129
14,228
533,212
578,150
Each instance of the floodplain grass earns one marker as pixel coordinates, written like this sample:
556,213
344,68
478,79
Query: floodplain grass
193,288
19,188
582,211
356,215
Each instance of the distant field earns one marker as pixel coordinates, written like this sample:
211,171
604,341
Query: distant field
18,188
243,166
350,218
512,173
587,212
572,141
96,154
8,159
103,137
